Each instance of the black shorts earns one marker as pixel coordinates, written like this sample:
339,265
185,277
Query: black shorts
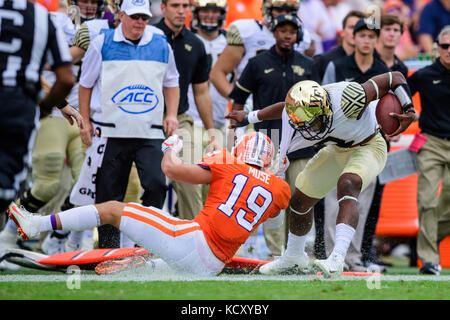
17,135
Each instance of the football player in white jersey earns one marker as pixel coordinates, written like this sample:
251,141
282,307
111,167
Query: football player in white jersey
341,116
246,37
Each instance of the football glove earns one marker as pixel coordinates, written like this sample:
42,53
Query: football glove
173,142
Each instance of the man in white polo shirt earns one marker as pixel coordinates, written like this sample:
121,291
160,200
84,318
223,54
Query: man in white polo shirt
128,75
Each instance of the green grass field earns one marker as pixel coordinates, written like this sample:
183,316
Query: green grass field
398,283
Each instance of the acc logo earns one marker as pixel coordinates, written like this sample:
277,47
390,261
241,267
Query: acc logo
138,2
135,99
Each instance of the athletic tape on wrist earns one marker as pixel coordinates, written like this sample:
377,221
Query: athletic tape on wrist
347,198
403,95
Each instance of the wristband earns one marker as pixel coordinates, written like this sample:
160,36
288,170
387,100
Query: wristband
410,110
253,117
62,104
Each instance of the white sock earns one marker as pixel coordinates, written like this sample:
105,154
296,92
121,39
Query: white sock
344,235
80,218
295,245
46,223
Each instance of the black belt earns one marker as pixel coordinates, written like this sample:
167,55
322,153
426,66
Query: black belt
366,139
112,125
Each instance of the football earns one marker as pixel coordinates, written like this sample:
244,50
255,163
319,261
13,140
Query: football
389,103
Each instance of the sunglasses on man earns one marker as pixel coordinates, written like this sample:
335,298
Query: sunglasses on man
444,45
136,16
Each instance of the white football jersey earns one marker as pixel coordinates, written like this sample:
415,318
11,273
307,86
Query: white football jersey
213,48
346,130
256,38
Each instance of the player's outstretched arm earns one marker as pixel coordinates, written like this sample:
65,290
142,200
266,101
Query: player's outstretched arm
378,86
175,169
242,118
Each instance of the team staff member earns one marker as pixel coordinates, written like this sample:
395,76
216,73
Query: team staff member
283,66
248,37
433,159
93,140
30,38
129,102
193,65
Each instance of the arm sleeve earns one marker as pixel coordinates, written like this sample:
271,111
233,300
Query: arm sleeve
92,63
57,48
172,76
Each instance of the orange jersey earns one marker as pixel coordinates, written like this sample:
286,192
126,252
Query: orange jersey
240,198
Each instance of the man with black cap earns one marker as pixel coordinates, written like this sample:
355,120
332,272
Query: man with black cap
268,76
357,67
361,65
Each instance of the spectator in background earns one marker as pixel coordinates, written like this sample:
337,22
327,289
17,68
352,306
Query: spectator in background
193,64
337,11
314,17
347,46
406,49
391,29
433,159
357,67
434,17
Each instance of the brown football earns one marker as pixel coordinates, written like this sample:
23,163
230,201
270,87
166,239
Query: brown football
389,103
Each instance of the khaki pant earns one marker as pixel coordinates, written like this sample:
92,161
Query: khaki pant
433,164
189,195
56,140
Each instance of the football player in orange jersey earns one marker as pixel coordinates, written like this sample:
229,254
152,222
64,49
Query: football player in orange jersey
241,197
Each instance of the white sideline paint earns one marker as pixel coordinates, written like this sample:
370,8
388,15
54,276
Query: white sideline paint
149,277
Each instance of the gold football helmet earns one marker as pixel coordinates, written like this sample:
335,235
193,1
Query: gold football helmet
199,4
269,4
309,109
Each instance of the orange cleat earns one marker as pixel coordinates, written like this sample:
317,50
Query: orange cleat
116,266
